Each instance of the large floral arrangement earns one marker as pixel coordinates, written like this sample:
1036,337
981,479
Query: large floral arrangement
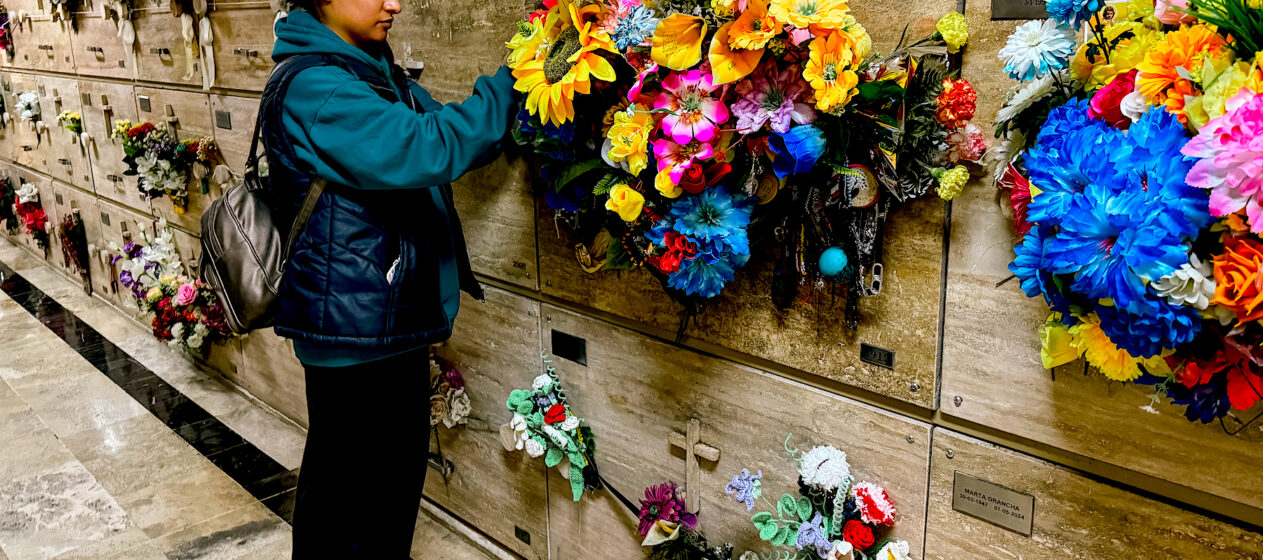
186,313
677,135
1134,161
30,213
165,164
831,516
544,426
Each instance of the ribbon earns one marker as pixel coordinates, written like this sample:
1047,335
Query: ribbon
127,32
190,39
207,39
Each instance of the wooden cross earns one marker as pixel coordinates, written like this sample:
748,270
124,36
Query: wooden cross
691,443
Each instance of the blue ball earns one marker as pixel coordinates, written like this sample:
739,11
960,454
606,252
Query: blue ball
832,261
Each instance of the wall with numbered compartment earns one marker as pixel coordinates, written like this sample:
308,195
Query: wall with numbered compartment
965,395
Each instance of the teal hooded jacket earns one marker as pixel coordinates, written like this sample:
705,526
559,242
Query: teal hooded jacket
343,131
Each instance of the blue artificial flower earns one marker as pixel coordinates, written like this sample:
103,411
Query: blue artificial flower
635,28
1204,402
1147,335
1036,279
1073,12
1154,162
706,277
562,133
715,219
567,199
796,150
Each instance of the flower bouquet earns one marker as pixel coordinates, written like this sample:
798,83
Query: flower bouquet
670,531
8,199
71,121
28,107
1133,162
186,313
832,517
30,212
449,404
166,165
676,136
74,246
544,426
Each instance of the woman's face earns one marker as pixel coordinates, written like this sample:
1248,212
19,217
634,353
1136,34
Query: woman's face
363,23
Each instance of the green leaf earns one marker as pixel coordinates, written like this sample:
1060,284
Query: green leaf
804,509
769,531
575,171
781,535
762,518
791,536
787,505
576,482
553,457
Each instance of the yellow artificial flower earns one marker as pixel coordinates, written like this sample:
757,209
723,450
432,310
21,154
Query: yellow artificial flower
1180,53
954,31
827,14
754,28
728,65
951,181
677,41
1091,69
1057,346
1114,362
830,71
626,202
153,295
1220,87
629,138
665,185
723,8
555,74
863,43
529,42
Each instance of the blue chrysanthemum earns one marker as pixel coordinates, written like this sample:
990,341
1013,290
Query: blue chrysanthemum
706,276
1153,162
797,150
635,28
714,217
1073,12
1148,335
1028,266
1203,403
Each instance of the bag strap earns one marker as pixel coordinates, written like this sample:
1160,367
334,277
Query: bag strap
304,214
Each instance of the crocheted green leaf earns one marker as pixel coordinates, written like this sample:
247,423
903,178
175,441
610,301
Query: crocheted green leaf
553,457
782,536
576,482
536,419
769,531
804,509
519,402
762,518
787,506
791,535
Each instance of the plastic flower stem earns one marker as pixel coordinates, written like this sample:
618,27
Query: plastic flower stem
1099,31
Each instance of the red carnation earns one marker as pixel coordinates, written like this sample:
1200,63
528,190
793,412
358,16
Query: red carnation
858,534
957,103
556,413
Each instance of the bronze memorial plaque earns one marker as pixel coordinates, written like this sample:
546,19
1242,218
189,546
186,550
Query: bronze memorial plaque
993,503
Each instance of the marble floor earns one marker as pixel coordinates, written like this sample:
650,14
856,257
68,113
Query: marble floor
113,446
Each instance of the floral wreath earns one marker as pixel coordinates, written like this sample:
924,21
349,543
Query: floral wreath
544,426
186,313
1132,163
680,138
832,517
166,165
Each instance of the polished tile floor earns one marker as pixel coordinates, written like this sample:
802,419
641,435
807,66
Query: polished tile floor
112,446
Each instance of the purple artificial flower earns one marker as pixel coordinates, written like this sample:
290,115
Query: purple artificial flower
812,534
663,503
772,98
452,377
125,278
745,487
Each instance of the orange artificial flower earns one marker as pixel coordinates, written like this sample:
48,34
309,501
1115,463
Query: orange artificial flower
1238,282
754,28
1186,48
727,64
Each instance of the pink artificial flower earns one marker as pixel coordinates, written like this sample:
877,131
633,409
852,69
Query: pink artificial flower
966,144
639,84
1165,11
1230,152
696,114
677,158
1107,102
185,294
798,35
772,97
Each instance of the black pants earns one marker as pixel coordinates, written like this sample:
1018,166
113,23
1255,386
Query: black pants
364,464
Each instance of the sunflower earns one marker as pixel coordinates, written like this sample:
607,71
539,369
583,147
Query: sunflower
827,14
830,71
529,42
754,28
564,62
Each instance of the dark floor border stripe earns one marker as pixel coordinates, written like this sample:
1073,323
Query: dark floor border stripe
265,479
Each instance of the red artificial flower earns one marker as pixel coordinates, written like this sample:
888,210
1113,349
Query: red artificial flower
717,171
1019,197
858,534
694,179
957,103
1106,103
140,129
556,413
678,248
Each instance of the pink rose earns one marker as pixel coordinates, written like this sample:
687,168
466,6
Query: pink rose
185,294
1107,100
1165,11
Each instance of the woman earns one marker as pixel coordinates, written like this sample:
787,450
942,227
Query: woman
375,275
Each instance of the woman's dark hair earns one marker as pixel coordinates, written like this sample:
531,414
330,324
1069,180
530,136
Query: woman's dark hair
309,5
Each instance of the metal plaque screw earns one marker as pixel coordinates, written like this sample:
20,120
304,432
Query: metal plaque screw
957,400
950,454
910,440
915,386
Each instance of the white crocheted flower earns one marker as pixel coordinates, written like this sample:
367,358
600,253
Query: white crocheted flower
558,438
1192,284
534,448
541,382
894,550
825,468
842,550
570,423
520,437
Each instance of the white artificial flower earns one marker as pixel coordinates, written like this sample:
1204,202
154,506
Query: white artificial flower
1037,48
894,550
28,194
1220,313
1192,284
1133,105
28,105
458,409
534,448
750,555
1001,155
1025,96
195,341
541,382
570,423
842,550
825,467
520,436
177,330
557,436
200,330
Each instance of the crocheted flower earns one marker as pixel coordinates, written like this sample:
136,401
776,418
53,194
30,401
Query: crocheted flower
695,112
1073,12
1106,102
1191,285
534,447
874,505
950,182
857,534
677,41
745,488
1230,160
555,413
952,28
1037,48
626,202
627,142
813,535
663,503
774,98
1238,282
797,150
894,550
825,468
841,550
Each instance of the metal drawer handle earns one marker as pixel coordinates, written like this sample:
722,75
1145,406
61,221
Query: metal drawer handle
160,51
96,50
63,161
245,52
114,178
45,47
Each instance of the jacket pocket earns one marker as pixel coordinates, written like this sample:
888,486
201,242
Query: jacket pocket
418,305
